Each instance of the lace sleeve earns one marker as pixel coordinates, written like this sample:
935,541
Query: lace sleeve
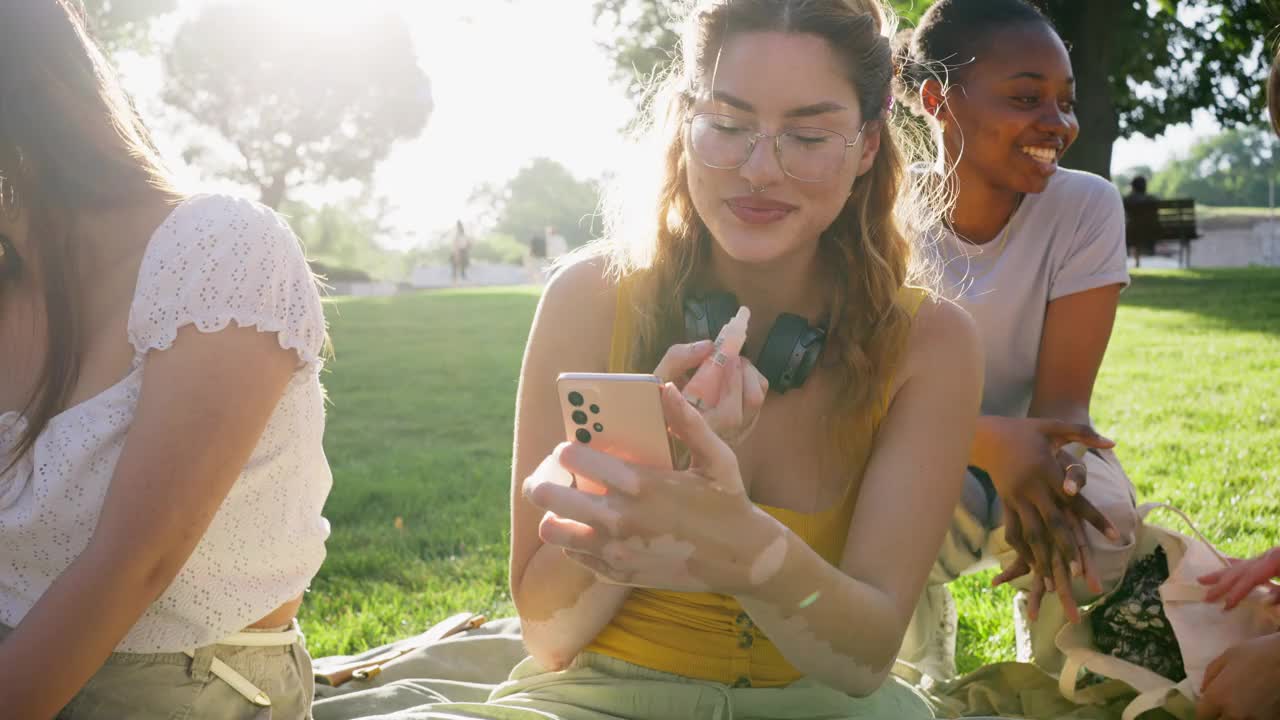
218,259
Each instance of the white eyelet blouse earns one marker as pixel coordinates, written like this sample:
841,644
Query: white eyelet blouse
214,260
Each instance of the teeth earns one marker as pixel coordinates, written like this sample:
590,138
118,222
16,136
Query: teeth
1044,155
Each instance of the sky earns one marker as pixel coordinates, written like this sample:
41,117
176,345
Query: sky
511,80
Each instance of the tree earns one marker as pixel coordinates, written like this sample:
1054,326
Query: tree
1233,168
645,35
118,24
1139,71
297,104
544,193
1140,65
343,236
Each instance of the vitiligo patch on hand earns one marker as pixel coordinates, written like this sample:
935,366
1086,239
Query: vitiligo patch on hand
768,562
551,471
798,641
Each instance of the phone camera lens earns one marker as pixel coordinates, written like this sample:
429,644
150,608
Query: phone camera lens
595,409
583,436
598,427
576,399
579,417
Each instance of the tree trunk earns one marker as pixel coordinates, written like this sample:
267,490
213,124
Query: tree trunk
1086,29
273,195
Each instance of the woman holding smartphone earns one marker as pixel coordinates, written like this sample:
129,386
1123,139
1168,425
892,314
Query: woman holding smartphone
775,575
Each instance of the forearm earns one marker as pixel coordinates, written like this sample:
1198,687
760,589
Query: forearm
987,443
1066,411
68,634
827,624
988,440
562,607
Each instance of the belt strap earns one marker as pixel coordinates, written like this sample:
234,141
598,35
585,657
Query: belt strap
264,639
239,682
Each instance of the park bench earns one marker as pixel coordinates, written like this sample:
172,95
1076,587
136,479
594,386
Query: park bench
1148,222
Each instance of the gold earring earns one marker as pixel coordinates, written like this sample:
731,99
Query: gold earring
8,199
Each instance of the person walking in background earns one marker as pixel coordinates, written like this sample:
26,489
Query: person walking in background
461,256
556,244
535,262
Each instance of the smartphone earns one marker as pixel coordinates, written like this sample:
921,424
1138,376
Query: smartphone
617,413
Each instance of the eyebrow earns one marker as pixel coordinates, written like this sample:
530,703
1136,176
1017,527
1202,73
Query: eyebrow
821,108
1036,76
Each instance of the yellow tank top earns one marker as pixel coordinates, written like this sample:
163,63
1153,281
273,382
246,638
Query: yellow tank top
708,636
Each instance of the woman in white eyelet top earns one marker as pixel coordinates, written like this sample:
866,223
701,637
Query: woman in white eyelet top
162,473
215,260
214,263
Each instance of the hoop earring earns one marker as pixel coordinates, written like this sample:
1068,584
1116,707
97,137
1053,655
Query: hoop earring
9,199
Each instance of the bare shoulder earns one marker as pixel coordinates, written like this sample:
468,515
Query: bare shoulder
943,343
577,311
586,280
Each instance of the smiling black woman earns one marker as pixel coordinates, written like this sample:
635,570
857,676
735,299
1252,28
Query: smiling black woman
1035,253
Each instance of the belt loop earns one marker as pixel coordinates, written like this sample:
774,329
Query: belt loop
201,661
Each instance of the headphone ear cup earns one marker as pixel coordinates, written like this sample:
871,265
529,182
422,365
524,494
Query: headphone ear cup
704,316
790,352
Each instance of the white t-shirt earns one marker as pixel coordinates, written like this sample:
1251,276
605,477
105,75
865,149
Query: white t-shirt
1065,240
215,260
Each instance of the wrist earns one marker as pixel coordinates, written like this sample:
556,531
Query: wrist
770,575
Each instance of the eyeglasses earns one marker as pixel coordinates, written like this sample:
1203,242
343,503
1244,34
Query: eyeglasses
805,154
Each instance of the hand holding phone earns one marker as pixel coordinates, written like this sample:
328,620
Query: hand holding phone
617,413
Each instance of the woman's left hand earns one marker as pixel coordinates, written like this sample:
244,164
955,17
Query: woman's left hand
692,531
1233,584
734,413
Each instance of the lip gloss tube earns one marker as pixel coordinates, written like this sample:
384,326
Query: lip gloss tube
703,391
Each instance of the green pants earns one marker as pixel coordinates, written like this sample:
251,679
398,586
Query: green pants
166,686
595,687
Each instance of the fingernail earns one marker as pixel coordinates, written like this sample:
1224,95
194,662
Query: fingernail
1113,535
703,345
1076,570
1071,487
1048,584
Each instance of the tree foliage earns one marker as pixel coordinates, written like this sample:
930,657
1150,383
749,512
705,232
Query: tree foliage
1232,168
1140,67
120,24
544,193
304,106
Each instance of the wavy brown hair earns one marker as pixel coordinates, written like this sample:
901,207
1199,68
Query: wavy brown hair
71,143
663,256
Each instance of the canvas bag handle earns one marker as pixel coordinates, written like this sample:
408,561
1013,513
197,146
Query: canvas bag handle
1154,691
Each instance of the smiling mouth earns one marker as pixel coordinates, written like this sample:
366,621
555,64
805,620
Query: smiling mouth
1044,155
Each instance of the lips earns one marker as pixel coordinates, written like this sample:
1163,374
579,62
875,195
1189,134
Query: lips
1045,157
758,210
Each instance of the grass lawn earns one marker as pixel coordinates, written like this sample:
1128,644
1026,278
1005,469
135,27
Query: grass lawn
422,394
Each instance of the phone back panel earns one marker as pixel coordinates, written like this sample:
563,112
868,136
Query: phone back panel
617,413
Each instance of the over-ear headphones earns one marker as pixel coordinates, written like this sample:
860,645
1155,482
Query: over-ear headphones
790,351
